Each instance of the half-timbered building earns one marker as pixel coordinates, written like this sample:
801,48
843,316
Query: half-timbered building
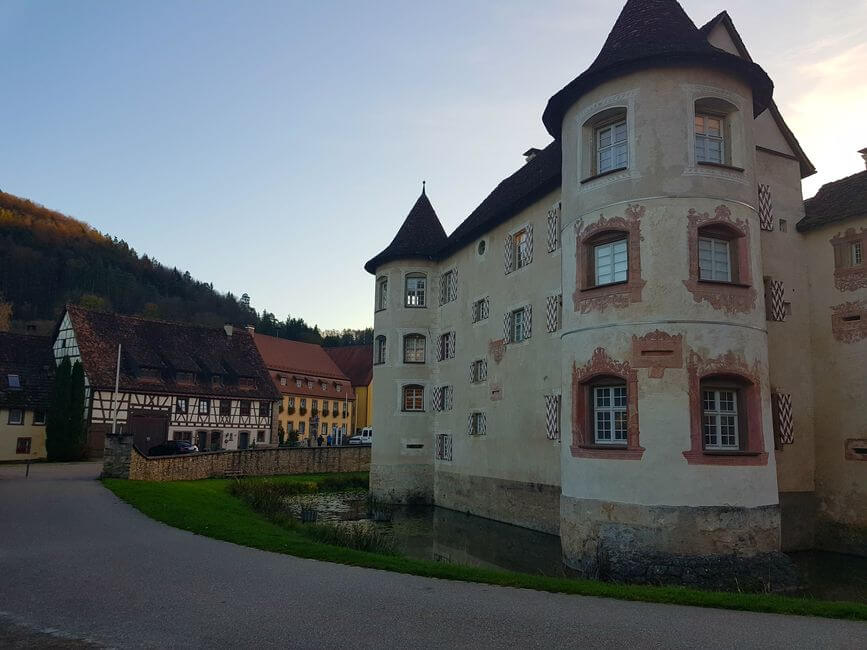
176,382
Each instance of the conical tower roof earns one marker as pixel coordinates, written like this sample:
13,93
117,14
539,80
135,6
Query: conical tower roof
650,34
420,237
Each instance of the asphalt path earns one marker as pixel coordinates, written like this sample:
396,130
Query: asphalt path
80,567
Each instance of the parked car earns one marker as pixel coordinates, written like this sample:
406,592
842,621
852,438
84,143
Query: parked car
363,438
173,448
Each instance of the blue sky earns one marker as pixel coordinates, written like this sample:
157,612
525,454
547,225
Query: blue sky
274,147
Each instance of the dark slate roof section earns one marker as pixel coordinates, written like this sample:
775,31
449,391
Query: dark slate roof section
836,201
648,34
538,177
32,360
420,237
807,168
169,348
356,362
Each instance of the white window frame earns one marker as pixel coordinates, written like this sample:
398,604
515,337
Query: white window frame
478,366
712,419
610,412
417,296
717,271
615,148
207,407
517,325
702,138
448,287
415,338
613,248
19,419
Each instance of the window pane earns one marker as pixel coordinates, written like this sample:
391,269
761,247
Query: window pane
603,397
603,426
620,154
712,126
699,124
604,137
620,132
710,439
620,426
605,160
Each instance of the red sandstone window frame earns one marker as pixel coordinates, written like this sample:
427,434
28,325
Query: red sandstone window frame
591,244
602,370
850,273
738,257
726,372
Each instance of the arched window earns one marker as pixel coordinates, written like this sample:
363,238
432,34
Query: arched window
379,350
416,290
413,348
606,143
716,127
413,397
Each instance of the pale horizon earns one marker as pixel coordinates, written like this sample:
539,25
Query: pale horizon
272,148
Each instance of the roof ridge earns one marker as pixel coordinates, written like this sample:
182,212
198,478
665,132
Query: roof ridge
151,320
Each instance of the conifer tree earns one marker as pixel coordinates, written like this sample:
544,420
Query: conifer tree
77,433
57,420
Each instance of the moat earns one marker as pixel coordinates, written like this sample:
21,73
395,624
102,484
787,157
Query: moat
442,535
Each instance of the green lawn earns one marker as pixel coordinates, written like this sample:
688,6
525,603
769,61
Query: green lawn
206,508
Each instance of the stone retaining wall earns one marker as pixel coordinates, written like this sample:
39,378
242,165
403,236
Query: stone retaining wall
249,462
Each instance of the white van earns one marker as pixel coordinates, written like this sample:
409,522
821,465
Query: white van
363,438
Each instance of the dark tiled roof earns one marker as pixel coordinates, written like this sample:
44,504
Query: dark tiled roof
169,348
807,168
31,358
420,237
653,33
538,177
836,201
356,362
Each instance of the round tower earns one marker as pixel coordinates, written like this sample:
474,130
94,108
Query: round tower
669,467
402,459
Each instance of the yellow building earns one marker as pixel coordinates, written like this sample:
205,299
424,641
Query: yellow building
26,380
316,396
356,362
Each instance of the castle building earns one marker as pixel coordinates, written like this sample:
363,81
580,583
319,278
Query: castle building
316,396
26,383
176,382
640,340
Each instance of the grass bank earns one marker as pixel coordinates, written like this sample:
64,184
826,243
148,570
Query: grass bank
207,508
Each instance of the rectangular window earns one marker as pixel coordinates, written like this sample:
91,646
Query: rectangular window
38,416
382,293
379,357
448,286
444,446
264,409
16,416
182,405
324,405
517,326
521,242
856,255
14,382
303,403
415,290
714,259
204,406
481,309
243,406
611,152
225,407
609,415
709,144
302,427
479,371
291,402
610,262
413,398
413,349
478,425
720,419
22,445
260,436
183,435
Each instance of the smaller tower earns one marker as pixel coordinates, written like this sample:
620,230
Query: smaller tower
404,320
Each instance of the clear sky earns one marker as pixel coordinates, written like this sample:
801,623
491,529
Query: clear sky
274,147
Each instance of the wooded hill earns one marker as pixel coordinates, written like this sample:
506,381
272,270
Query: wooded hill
48,259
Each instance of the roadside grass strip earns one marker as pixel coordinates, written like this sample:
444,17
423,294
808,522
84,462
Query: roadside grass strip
208,508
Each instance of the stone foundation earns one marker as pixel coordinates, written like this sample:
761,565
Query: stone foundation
797,521
531,505
713,547
410,483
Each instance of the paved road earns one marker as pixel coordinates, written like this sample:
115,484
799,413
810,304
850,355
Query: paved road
77,563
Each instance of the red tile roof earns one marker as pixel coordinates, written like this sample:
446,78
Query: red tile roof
166,349
356,361
296,360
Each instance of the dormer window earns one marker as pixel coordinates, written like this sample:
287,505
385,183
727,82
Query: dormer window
282,381
14,382
149,374
339,388
297,383
186,378
245,382
323,386
309,384
216,380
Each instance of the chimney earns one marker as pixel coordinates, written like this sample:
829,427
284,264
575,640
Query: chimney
251,329
863,153
531,153
229,329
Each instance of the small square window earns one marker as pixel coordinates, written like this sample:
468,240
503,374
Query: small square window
14,382
22,445
38,416
16,416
